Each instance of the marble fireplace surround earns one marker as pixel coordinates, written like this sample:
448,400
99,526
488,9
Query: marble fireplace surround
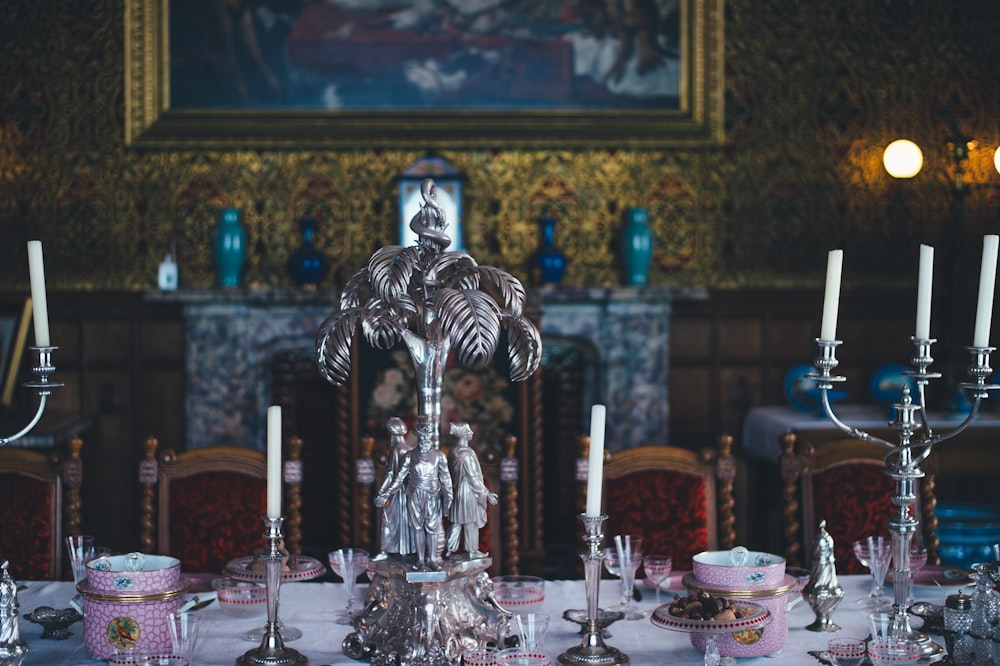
231,336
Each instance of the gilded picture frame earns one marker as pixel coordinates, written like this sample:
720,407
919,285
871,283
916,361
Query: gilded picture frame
693,117
15,319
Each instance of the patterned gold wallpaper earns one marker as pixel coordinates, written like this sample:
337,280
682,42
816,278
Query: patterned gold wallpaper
814,91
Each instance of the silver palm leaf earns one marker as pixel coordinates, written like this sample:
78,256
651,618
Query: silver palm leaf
435,302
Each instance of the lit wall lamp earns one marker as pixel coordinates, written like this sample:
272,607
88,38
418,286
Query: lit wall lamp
449,197
903,159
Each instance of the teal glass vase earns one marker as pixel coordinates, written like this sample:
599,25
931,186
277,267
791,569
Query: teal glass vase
230,248
637,247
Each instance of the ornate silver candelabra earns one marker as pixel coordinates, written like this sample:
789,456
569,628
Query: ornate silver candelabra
592,649
272,650
42,385
916,441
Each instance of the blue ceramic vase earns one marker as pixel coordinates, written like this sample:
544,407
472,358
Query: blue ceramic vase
230,248
307,264
550,260
637,246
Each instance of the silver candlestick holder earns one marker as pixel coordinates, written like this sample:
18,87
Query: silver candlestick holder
592,649
43,385
916,442
272,650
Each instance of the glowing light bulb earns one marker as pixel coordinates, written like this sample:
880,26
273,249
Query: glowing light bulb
902,159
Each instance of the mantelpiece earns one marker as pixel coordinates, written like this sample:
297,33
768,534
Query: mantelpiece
231,336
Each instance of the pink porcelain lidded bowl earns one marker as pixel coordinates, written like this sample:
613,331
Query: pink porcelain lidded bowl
740,574
765,641
126,601
739,568
134,573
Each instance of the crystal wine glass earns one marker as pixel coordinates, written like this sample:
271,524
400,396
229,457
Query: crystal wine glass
625,569
348,563
918,558
874,553
657,568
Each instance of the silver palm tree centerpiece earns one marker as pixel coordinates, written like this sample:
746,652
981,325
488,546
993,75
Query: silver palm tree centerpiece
437,304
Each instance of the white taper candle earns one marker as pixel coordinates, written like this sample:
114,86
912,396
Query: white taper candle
274,461
595,464
39,304
987,283
925,278
831,299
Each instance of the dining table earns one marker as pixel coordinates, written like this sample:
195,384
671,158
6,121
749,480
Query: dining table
312,607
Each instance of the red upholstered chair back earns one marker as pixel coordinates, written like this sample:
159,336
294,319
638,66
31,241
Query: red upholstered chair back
214,517
40,496
844,483
209,504
29,524
855,499
671,497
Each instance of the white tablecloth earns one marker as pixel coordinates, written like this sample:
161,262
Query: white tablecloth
311,608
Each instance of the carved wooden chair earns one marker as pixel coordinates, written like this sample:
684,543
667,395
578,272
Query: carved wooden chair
204,506
40,496
680,501
843,481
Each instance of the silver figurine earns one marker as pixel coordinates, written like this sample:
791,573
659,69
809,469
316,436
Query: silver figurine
13,648
468,510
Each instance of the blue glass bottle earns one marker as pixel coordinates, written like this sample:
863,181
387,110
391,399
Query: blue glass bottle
307,264
550,260
230,248
637,246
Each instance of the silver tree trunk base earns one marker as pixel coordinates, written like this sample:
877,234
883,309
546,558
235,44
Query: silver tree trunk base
422,617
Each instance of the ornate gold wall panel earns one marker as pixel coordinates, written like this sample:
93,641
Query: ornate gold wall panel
813,92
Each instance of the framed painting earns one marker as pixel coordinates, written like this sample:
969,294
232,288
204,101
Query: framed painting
423,74
15,318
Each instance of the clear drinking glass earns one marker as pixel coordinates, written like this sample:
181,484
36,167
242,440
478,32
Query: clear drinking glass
657,569
893,653
846,651
521,657
183,629
348,563
626,570
531,629
875,553
884,626
480,656
80,548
